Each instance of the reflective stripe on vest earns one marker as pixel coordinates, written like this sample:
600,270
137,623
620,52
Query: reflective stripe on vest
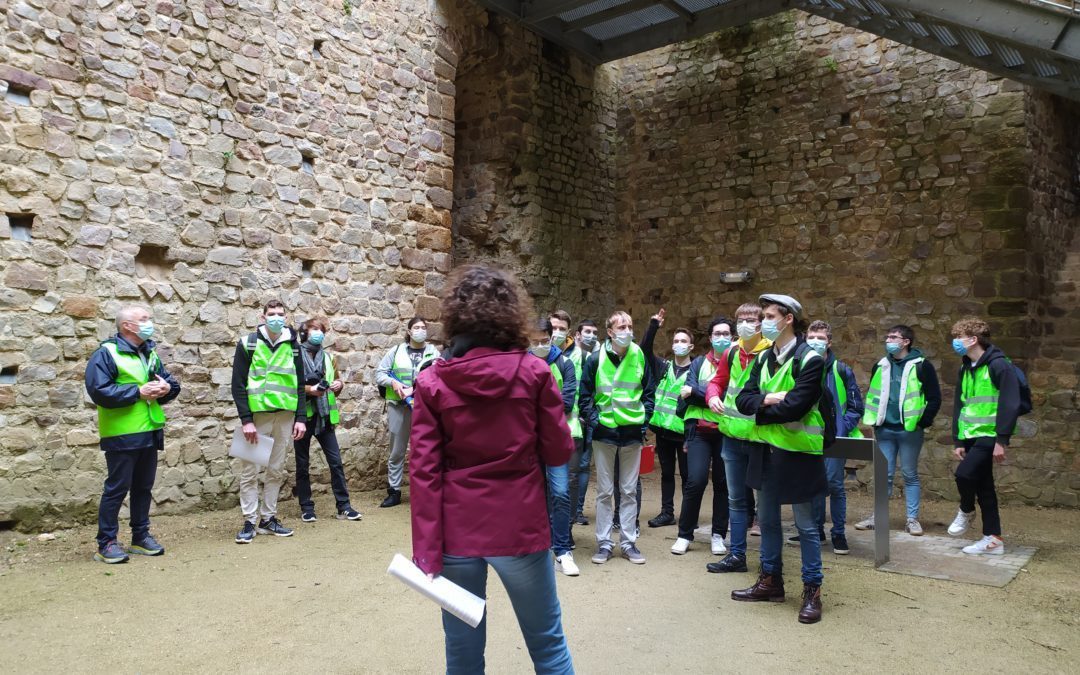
805,435
403,366
573,419
695,412
978,404
841,396
912,398
736,424
619,390
141,416
331,399
665,414
272,380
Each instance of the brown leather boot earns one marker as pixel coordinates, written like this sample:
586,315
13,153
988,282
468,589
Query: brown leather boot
769,588
811,604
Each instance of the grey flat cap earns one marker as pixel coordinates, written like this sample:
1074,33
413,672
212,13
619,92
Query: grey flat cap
785,300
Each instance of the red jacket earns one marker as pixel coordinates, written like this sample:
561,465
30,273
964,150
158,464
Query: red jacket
484,426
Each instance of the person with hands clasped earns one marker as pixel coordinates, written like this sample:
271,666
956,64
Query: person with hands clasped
783,393
665,422
321,387
127,381
985,409
268,391
395,376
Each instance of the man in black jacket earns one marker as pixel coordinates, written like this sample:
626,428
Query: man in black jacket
129,384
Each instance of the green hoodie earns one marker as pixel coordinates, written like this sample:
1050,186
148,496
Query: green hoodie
892,410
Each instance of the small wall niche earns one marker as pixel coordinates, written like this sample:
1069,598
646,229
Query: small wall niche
845,119
9,374
151,263
17,94
306,268
21,225
307,164
316,48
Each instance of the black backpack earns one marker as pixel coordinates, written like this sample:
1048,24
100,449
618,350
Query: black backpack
1025,390
827,402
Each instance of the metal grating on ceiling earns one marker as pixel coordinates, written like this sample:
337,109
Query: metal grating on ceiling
1034,41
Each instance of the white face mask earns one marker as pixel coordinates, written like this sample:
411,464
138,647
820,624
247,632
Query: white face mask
681,350
419,335
558,338
541,350
746,329
623,338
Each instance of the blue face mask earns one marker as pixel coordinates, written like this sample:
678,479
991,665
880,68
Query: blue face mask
719,344
770,329
275,323
315,337
818,345
146,330
893,347
958,346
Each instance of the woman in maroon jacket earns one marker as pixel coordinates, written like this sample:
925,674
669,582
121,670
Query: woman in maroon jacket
485,423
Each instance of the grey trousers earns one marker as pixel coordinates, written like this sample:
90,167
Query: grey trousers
399,420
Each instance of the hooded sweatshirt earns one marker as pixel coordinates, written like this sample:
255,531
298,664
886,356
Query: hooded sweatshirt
484,426
1003,376
931,390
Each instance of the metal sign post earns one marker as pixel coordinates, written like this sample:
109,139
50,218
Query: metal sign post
866,449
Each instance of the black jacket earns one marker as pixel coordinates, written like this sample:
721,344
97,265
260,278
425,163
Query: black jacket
242,364
100,379
659,368
931,387
591,415
1003,375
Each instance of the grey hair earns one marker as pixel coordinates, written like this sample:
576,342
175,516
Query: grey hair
125,314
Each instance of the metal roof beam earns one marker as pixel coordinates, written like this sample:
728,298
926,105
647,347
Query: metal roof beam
551,29
607,15
533,11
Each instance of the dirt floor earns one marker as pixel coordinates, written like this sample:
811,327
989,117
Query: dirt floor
322,602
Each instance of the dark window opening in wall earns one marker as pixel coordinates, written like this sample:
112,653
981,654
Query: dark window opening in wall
843,203
306,268
9,374
316,49
17,94
776,109
654,223
745,154
307,164
151,263
584,295
845,119
20,224
656,296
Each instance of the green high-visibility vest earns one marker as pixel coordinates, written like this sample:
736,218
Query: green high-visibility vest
619,390
841,397
695,412
978,404
141,416
667,401
272,379
403,367
331,400
912,398
572,418
736,424
805,435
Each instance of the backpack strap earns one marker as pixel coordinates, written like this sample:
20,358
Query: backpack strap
251,342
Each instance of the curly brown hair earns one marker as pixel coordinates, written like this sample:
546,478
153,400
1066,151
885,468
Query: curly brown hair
487,302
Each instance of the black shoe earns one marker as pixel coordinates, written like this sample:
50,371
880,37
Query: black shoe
393,498
839,544
662,520
273,526
146,546
573,544
308,517
615,526
821,533
730,563
581,519
349,513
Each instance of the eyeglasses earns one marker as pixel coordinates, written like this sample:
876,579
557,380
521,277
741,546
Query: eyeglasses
894,337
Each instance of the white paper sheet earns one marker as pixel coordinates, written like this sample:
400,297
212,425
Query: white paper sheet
256,453
448,595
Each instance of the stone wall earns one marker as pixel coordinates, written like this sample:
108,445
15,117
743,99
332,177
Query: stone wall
203,157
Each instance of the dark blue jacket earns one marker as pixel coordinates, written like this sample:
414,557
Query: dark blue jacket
569,384
101,374
847,420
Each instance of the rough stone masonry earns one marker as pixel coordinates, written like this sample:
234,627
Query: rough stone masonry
201,157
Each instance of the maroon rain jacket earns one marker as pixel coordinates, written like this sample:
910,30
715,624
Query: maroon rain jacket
484,426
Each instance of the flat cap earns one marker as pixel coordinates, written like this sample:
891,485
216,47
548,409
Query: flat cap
785,300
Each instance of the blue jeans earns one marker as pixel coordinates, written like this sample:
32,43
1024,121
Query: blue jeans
907,445
558,501
582,476
736,455
128,471
530,583
772,535
834,473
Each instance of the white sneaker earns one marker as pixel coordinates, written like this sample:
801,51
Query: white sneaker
718,547
567,565
680,546
960,523
865,524
988,545
914,528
